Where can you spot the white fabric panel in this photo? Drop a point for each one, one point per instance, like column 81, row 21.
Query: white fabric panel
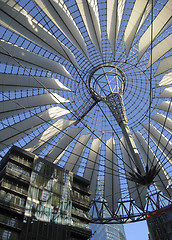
column 163, row 120
column 4, row 115
column 13, row 61
column 12, row 82
column 32, row 101
column 2, row 3
column 160, row 49
column 162, row 180
column 112, row 192
column 134, row 22
column 159, row 23
column 59, row 14
column 59, row 157
column 89, row 12
column 21, row 22
column 164, row 145
column 146, row 12
column 73, row 161
column 166, row 80
column 16, row 131
column 29, row 59
column 94, row 149
column 165, row 64
column 115, row 10
column 167, row 93
column 92, row 166
column 167, row 25
column 137, row 193
column 48, row 134
column 165, row 106
column 59, row 147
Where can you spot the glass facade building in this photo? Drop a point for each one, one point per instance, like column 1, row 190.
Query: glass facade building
column 160, row 224
column 39, row 200
column 108, row 232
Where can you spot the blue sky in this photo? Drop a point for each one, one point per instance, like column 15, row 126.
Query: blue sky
column 135, row 231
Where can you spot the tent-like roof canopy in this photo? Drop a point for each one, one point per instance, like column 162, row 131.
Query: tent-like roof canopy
column 87, row 84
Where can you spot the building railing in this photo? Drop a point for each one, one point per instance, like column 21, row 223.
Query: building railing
column 21, row 160
column 14, row 188
column 10, row 221
column 80, row 199
column 17, row 174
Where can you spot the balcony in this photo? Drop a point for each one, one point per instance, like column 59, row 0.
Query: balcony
column 81, row 189
column 11, row 222
column 20, row 160
column 80, row 200
column 80, row 215
column 13, row 207
column 13, row 188
column 17, row 175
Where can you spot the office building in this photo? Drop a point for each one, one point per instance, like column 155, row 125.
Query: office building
column 160, row 224
column 39, row 200
column 108, row 232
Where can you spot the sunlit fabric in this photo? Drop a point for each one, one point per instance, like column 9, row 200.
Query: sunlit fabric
column 87, row 84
